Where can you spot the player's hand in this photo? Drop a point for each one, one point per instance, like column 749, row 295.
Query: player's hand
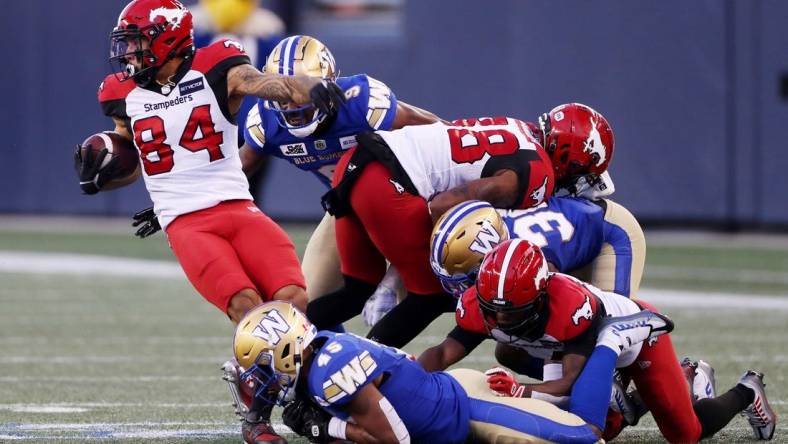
column 92, row 177
column 326, row 95
column 147, row 222
column 502, row 382
column 307, row 420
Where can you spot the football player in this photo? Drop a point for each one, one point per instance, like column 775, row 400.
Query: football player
column 178, row 106
column 517, row 300
column 349, row 388
column 599, row 242
column 313, row 140
column 389, row 190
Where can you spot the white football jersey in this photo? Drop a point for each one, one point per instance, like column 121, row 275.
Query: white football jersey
column 439, row 157
column 188, row 146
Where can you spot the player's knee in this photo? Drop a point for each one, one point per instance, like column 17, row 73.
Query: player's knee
column 242, row 302
column 294, row 295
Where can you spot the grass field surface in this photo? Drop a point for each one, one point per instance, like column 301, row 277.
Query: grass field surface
column 97, row 348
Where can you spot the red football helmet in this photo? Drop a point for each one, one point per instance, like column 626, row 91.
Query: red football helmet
column 150, row 33
column 579, row 141
column 511, row 287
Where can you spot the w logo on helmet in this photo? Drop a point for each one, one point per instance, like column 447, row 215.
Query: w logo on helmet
column 487, row 238
column 271, row 327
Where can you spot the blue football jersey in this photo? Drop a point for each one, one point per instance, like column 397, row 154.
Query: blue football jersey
column 570, row 231
column 433, row 406
column 370, row 106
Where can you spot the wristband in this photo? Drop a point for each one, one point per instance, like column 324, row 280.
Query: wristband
column 337, row 428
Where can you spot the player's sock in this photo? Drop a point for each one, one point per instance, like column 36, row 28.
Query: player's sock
column 716, row 413
column 410, row 318
column 590, row 396
column 337, row 307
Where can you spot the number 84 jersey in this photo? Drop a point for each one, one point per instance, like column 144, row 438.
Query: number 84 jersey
column 438, row 157
column 185, row 134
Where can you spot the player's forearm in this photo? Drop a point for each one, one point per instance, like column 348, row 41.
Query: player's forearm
column 358, row 435
column 558, row 387
column 245, row 80
column 488, row 189
column 431, row 359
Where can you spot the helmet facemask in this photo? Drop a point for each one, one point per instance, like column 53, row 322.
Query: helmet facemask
column 525, row 317
column 121, row 40
column 299, row 121
column 457, row 284
column 271, row 386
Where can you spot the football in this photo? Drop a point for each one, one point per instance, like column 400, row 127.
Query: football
column 118, row 147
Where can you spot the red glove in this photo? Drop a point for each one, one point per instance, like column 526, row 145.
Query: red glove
column 503, row 383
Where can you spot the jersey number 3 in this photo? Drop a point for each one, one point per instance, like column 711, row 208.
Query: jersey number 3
column 469, row 146
column 199, row 134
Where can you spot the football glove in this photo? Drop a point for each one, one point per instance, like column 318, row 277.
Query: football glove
column 147, row 222
column 327, row 96
column 92, row 177
column 307, row 420
column 502, row 383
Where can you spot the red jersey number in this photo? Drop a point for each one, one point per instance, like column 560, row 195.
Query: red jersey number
column 469, row 146
column 149, row 135
column 210, row 140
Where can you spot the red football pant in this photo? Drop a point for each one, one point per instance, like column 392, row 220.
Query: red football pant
column 231, row 247
column 658, row 377
column 386, row 223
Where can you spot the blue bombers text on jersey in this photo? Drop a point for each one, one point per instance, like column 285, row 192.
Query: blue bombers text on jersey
column 370, row 106
column 433, row 406
column 572, row 232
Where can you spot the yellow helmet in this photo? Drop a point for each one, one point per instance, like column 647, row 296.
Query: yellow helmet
column 300, row 55
column 269, row 343
column 459, row 241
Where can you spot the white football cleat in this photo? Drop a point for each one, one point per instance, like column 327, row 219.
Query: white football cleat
column 231, row 372
column 626, row 331
column 760, row 414
column 700, row 378
column 622, row 402
column 379, row 304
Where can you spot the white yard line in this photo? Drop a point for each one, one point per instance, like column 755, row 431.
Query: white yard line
column 85, row 265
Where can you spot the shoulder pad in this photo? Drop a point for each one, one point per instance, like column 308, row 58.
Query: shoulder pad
column 373, row 100
column 215, row 53
column 254, row 133
column 573, row 307
column 341, row 366
column 541, row 180
column 468, row 314
column 113, row 89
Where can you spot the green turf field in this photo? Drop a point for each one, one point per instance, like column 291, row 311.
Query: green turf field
column 98, row 356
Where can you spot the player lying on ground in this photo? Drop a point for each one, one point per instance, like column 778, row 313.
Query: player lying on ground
column 580, row 143
column 348, row 387
column 178, row 106
column 380, row 198
column 555, row 317
column 575, row 235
